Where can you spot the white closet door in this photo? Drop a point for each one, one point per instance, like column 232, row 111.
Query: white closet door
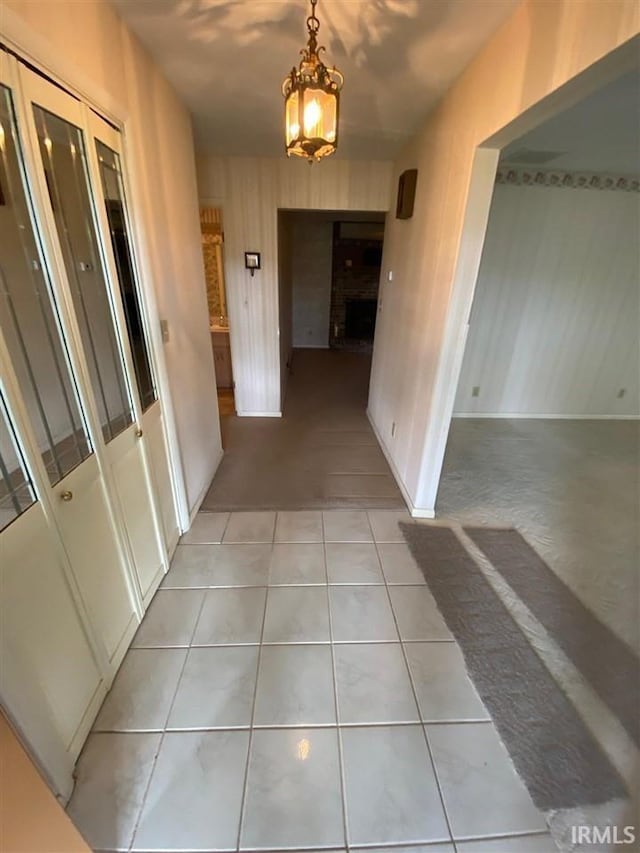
column 51, row 683
column 35, row 334
column 38, row 331
column 87, row 514
column 145, row 476
column 67, row 161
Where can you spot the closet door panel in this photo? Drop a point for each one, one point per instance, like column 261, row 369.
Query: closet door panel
column 134, row 487
column 40, row 624
column 114, row 220
column 88, row 534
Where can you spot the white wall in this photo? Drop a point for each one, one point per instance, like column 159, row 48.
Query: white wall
column 86, row 44
column 250, row 191
column 420, row 333
column 554, row 325
column 311, row 247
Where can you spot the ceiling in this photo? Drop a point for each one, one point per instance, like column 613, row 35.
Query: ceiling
column 227, row 59
column 600, row 134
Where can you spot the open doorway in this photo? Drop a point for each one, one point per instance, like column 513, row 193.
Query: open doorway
column 545, row 433
column 321, row 452
column 329, row 276
column 213, row 253
column 545, row 427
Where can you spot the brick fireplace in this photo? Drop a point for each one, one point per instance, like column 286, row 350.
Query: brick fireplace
column 357, row 255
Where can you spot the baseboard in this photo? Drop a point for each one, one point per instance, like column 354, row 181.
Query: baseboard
column 86, row 724
column 416, row 512
column 310, row 346
column 542, row 417
column 259, row 414
column 198, row 502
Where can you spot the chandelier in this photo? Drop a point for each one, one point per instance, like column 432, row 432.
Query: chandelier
column 312, row 97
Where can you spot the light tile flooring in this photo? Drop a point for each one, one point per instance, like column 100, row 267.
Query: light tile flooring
column 293, row 686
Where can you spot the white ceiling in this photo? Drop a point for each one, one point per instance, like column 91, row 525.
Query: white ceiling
column 600, row 133
column 227, row 60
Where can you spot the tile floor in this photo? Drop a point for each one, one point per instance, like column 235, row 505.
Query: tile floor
column 293, row 686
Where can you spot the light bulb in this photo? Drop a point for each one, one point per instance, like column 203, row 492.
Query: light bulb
column 1, row 138
column 294, row 130
column 312, row 115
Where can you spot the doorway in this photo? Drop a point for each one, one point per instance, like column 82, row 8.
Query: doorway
column 329, row 276
column 322, row 451
column 545, row 421
column 545, row 431
column 212, row 232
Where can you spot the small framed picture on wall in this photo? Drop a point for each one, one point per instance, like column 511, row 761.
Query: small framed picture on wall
column 252, row 261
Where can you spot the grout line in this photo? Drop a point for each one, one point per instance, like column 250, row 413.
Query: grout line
column 341, row 766
column 288, row 726
column 164, row 732
column 216, row 586
column 395, row 845
column 245, row 787
column 289, row 585
column 289, row 643
column 268, row 643
column 226, row 524
column 529, row 833
column 314, row 583
column 415, row 699
column 297, row 849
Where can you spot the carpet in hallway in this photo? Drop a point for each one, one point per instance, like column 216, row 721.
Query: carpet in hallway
column 321, row 454
column 558, row 759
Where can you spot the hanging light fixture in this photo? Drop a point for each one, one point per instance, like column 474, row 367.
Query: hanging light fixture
column 312, row 98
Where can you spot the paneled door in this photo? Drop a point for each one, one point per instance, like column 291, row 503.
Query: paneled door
column 61, row 624
column 80, row 193
column 106, row 165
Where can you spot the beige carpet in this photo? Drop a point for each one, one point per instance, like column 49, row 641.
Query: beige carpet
column 321, row 453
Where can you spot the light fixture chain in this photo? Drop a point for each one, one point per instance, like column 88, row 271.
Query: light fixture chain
column 313, row 27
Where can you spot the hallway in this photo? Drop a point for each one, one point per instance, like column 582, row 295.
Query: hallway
column 293, row 685
column 294, row 668
column 322, row 453
column 225, row 633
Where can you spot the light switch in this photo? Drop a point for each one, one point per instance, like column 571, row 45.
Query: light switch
column 390, row 275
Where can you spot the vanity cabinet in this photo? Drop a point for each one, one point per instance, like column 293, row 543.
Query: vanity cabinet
column 222, row 358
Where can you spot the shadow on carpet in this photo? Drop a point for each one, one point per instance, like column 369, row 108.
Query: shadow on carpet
column 555, row 754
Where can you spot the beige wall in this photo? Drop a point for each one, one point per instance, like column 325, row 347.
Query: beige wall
column 541, row 47
column 251, row 191
column 31, row 819
column 554, row 326
column 87, row 45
